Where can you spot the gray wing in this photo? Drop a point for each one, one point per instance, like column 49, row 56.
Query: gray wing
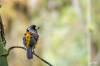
column 32, row 42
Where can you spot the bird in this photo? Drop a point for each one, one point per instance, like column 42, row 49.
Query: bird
column 30, row 39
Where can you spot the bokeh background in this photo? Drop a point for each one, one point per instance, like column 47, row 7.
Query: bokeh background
column 69, row 31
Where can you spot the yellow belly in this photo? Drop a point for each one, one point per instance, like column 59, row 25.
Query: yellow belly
column 28, row 38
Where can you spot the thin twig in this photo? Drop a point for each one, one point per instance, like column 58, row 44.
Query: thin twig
column 11, row 48
column 42, row 59
column 14, row 47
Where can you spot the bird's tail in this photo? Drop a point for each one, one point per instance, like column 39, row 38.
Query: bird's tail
column 29, row 53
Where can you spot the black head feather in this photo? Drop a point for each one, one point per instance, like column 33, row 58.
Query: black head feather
column 33, row 27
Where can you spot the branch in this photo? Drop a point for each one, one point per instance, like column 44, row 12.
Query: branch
column 11, row 48
column 14, row 47
column 42, row 59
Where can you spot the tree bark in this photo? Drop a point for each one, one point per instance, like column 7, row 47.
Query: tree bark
column 3, row 59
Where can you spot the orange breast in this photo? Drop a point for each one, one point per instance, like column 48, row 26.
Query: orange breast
column 28, row 38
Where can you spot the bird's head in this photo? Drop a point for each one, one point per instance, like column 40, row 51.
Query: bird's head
column 32, row 27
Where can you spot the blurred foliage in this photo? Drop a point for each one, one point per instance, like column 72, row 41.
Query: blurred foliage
column 96, row 32
column 63, row 30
